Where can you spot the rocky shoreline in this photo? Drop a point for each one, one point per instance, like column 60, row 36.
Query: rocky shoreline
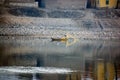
column 86, row 27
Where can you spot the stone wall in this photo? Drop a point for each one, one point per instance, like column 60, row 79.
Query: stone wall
column 66, row 4
column 21, row 1
column 55, row 4
column 34, row 4
column 27, row 3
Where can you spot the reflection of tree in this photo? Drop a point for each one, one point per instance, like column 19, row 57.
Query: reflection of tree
column 40, row 62
column 89, row 69
column 3, row 59
column 10, row 59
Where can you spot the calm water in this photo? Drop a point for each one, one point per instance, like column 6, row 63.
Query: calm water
column 43, row 59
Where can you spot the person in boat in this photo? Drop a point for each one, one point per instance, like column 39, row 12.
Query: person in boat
column 60, row 39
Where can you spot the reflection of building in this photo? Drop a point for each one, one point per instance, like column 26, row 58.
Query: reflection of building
column 105, row 70
column 74, row 76
column 100, row 70
column 92, row 69
column 64, row 4
column 83, row 57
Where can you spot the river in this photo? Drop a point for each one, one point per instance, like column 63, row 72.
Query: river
column 44, row 59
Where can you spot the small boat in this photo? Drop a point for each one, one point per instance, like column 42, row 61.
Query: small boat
column 59, row 39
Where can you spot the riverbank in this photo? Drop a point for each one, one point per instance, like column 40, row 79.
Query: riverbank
column 57, row 23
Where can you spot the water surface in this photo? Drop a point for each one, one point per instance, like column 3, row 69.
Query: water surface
column 43, row 59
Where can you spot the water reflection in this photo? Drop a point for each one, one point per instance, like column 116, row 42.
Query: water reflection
column 86, row 60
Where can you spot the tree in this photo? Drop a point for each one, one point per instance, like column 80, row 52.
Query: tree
column 6, row 2
column 118, row 1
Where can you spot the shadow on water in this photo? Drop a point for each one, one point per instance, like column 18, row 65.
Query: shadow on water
column 41, row 59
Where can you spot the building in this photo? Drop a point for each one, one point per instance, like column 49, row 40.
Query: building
column 106, row 3
column 103, row 3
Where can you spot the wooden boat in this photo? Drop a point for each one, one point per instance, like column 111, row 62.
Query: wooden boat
column 59, row 39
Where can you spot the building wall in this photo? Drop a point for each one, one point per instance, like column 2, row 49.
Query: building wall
column 113, row 4
column 102, row 3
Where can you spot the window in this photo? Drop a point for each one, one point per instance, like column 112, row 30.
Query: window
column 107, row 2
